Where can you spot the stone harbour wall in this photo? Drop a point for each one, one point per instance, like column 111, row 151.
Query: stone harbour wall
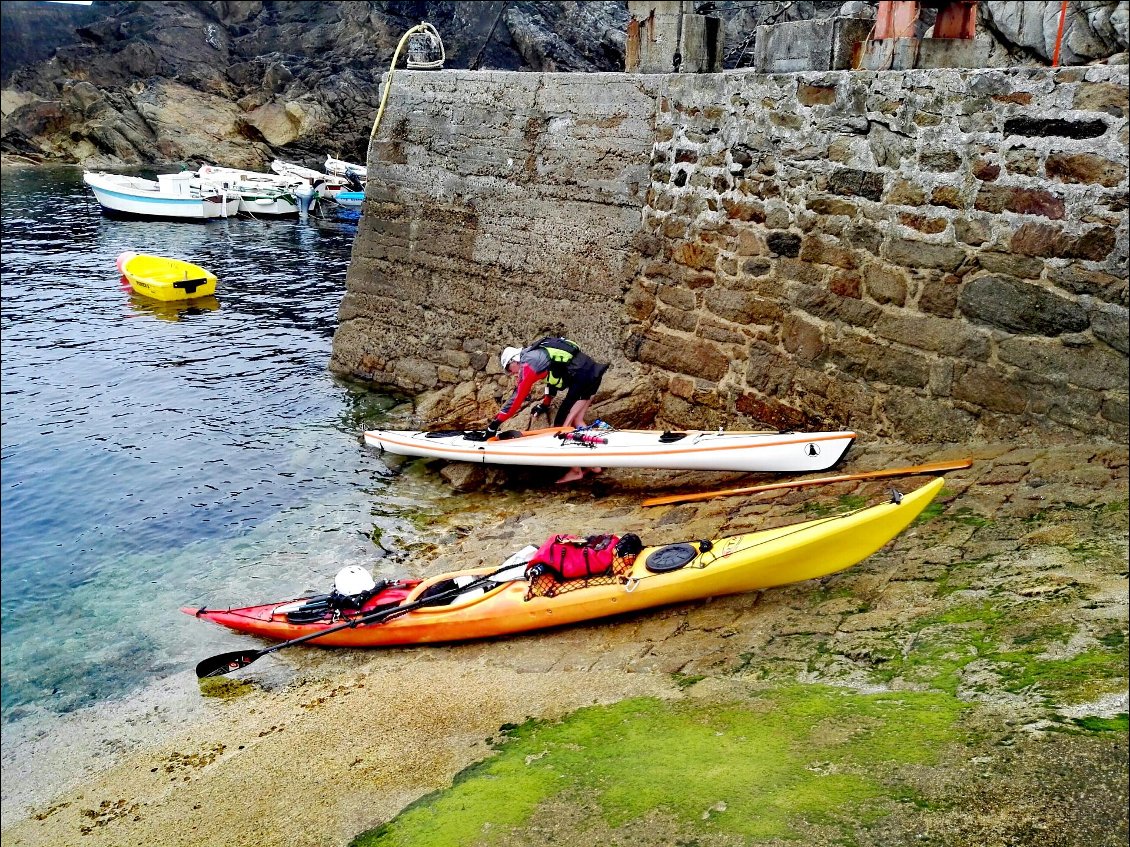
column 928, row 255
column 925, row 254
column 500, row 206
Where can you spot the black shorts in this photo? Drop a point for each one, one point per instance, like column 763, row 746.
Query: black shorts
column 583, row 387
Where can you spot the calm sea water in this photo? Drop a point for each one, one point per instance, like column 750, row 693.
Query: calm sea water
column 156, row 456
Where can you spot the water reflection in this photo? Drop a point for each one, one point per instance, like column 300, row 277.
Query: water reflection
column 172, row 310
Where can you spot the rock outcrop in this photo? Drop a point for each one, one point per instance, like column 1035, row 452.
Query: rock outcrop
column 31, row 32
column 1090, row 30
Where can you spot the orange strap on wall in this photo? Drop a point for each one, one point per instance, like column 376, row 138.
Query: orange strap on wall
column 1059, row 35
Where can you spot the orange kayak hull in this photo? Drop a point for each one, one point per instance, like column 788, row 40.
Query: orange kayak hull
column 731, row 565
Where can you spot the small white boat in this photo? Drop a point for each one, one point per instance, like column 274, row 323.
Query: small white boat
column 260, row 194
column 563, row 447
column 326, row 185
column 339, row 167
column 288, row 169
column 216, row 172
column 179, row 196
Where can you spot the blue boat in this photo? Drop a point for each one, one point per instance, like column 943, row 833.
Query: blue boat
column 350, row 199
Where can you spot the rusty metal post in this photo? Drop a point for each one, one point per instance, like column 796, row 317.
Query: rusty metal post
column 896, row 19
column 632, row 49
column 956, row 19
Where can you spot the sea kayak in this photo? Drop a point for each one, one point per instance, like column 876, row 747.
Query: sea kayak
column 658, row 576
column 563, row 447
column 160, row 278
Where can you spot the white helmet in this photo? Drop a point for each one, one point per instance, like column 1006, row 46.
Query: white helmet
column 353, row 580
column 509, row 354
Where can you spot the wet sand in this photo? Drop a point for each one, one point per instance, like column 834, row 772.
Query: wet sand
column 312, row 759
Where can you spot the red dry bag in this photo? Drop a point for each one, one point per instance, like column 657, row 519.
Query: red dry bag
column 573, row 557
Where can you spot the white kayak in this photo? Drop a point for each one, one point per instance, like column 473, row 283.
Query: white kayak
column 563, row 447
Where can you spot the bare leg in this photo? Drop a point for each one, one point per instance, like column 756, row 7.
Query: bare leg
column 576, row 416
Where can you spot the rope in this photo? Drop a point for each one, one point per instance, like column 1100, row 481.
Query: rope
column 475, row 62
column 799, row 528
column 424, row 27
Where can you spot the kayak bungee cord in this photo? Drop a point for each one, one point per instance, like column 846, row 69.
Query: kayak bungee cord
column 701, row 564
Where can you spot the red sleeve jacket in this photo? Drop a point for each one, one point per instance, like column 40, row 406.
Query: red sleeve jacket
column 527, row 377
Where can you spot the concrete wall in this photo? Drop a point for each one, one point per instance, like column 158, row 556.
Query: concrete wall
column 500, row 206
column 927, row 255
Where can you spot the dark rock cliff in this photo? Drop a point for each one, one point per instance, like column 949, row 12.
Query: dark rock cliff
column 242, row 82
column 30, row 32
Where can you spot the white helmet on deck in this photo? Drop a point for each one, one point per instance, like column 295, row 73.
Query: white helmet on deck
column 353, row 580
column 509, row 354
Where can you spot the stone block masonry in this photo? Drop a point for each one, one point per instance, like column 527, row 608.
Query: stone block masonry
column 931, row 255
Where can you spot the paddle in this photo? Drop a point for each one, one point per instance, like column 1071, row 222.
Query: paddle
column 227, row 662
column 935, row 467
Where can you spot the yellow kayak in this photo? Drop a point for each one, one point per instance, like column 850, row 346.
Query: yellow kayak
column 160, row 278
column 488, row 605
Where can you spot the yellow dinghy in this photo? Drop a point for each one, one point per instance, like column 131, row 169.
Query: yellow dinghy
column 164, row 279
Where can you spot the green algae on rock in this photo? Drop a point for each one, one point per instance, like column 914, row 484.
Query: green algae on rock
column 752, row 769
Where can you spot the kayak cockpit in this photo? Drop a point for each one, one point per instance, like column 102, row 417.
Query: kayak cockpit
column 336, row 606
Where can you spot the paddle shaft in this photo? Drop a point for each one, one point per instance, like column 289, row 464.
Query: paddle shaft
column 934, row 467
column 227, row 662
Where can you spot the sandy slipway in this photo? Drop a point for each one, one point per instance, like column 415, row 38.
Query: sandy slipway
column 1002, row 614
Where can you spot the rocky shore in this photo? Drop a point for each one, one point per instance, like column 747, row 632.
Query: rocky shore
column 1002, row 616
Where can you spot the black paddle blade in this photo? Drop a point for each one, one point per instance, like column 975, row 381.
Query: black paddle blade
column 226, row 663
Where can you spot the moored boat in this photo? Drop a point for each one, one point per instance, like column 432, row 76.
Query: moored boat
column 260, row 194
column 562, row 447
column 350, row 199
column 165, row 279
column 327, row 185
column 400, row 613
column 170, row 196
column 339, row 167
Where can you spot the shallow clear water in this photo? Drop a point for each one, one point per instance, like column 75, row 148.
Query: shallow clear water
column 154, row 455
